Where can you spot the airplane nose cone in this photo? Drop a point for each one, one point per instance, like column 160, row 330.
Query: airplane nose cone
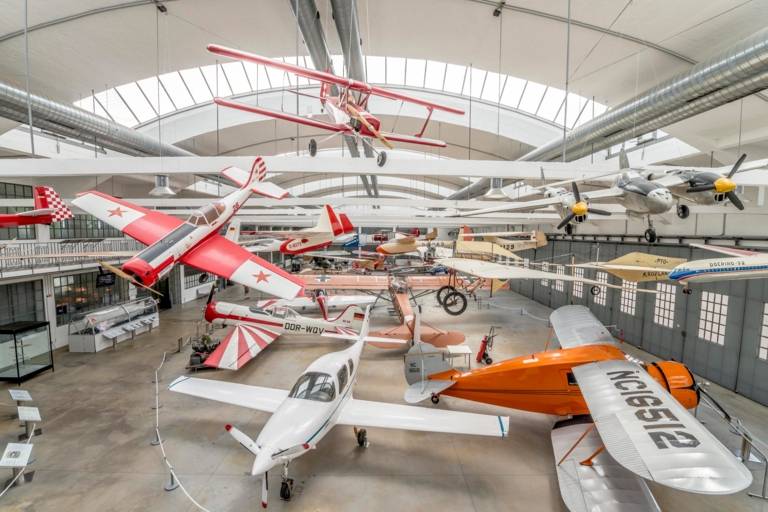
column 724, row 185
column 580, row 209
column 660, row 199
column 264, row 461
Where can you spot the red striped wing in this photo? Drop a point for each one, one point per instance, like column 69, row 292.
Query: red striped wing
column 240, row 345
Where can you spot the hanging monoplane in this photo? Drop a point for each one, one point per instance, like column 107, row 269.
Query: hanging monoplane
column 624, row 422
column 195, row 242
column 346, row 109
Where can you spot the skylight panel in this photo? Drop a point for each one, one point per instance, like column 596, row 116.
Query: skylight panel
column 193, row 77
column 374, row 70
column 532, row 97
column 237, row 78
column 338, row 65
column 574, row 106
column 475, row 79
column 85, row 104
column 454, row 78
column 138, row 104
column 156, row 95
column 551, row 104
column 257, row 75
column 277, row 77
column 212, row 77
column 117, row 109
column 586, row 114
column 414, row 72
column 176, row 89
column 435, row 75
column 513, row 89
column 296, row 61
column 600, row 109
column 395, row 70
column 493, row 83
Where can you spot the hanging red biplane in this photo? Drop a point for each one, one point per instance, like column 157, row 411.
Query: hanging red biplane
column 347, row 111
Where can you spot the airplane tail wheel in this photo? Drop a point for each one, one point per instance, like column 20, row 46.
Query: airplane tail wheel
column 286, row 488
column 312, row 147
column 595, row 290
column 442, row 292
column 650, row 235
column 488, row 360
column 435, row 399
column 455, row 303
column 381, row 159
column 362, row 438
column 569, row 229
column 683, row 211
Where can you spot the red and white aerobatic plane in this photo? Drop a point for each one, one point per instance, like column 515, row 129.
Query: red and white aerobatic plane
column 195, row 242
column 347, row 112
column 49, row 208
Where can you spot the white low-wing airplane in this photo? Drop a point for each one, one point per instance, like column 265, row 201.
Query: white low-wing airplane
column 321, row 399
column 195, row 242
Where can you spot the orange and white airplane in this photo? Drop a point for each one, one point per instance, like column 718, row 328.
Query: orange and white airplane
column 624, row 421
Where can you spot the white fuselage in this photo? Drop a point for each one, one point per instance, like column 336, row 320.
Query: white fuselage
column 281, row 320
column 302, row 422
column 310, row 303
column 721, row 269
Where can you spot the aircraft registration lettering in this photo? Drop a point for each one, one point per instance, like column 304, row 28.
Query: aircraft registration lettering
column 660, row 423
column 308, row 329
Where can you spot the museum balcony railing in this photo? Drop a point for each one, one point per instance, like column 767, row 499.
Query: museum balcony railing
column 22, row 258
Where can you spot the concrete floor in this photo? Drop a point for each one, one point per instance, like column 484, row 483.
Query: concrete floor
column 94, row 454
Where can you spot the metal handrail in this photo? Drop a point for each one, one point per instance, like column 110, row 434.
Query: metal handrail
column 16, row 256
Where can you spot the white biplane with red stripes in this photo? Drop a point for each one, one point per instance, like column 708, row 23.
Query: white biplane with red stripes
column 195, row 242
column 345, row 101
column 255, row 328
column 49, row 208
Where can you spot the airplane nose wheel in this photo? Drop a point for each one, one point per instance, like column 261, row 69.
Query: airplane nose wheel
column 286, row 488
column 312, row 147
column 381, row 158
column 362, row 437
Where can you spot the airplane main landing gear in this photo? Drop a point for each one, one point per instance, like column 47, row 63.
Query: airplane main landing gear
column 381, row 158
column 650, row 233
column 683, row 211
column 286, row 487
column 455, row 303
column 312, row 147
column 443, row 292
column 362, row 437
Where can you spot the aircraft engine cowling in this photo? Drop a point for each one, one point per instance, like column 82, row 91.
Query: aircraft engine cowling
column 677, row 379
column 141, row 271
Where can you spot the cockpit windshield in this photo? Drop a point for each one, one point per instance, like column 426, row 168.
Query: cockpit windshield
column 314, row 386
column 207, row 214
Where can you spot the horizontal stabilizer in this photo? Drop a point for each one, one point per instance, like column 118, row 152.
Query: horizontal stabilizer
column 419, row 391
column 263, row 188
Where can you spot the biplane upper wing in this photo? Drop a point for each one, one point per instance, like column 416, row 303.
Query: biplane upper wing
column 575, row 326
column 646, row 430
column 489, row 270
column 330, row 78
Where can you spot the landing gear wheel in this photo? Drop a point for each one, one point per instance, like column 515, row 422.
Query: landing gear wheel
column 488, row 360
column 362, row 438
column 381, row 159
column 569, row 229
column 687, row 291
column 435, row 399
column 312, row 147
column 595, row 290
column 683, row 211
column 650, row 235
column 443, row 292
column 455, row 303
column 286, row 488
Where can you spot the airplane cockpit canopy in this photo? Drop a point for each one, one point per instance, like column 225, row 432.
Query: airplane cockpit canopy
column 315, row 386
column 207, row 214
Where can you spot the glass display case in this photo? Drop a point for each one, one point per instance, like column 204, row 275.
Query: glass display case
column 104, row 328
column 25, row 350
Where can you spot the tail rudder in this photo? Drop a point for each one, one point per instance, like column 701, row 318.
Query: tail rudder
column 329, row 222
column 47, row 198
column 366, row 325
column 346, row 224
column 253, row 180
column 257, row 174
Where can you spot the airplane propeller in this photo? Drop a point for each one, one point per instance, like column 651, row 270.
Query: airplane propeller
column 122, row 274
column 352, row 111
column 579, row 209
column 721, row 184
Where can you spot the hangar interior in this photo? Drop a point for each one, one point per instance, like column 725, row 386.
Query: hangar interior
column 494, row 211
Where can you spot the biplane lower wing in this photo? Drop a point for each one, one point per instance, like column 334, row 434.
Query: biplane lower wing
column 276, row 114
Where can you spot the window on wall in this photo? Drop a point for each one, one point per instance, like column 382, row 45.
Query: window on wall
column 22, row 302
column 83, row 226
column 560, row 270
column 545, row 268
column 15, row 191
column 664, row 307
column 762, row 351
column 578, row 286
column 628, row 297
column 78, row 293
column 714, row 312
column 192, row 277
column 601, row 297
column 526, row 263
